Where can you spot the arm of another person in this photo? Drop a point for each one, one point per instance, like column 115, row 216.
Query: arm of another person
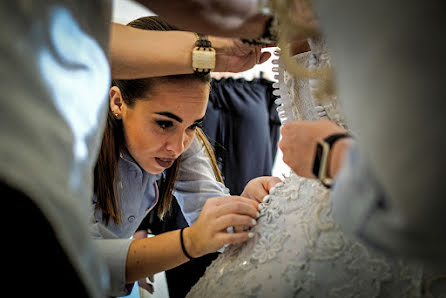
column 298, row 145
column 137, row 53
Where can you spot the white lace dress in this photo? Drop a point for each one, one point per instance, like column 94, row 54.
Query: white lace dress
column 298, row 250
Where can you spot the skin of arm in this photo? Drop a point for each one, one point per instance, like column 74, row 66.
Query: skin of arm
column 298, row 144
column 159, row 253
column 139, row 53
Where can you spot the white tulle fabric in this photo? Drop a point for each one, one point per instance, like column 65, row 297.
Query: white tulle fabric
column 298, row 250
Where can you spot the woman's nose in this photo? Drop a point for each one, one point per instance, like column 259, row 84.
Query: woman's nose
column 177, row 143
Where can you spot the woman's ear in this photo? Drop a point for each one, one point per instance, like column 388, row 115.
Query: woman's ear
column 116, row 102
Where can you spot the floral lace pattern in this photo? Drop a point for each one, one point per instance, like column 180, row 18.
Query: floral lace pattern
column 298, row 251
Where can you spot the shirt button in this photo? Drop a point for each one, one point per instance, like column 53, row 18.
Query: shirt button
column 131, row 218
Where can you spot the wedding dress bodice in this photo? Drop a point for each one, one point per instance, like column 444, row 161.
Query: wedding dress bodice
column 298, row 250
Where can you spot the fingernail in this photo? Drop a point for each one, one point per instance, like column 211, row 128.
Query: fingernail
column 251, row 234
column 254, row 221
column 258, row 214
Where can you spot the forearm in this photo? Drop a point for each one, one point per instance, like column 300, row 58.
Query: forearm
column 139, row 53
column 232, row 18
column 155, row 254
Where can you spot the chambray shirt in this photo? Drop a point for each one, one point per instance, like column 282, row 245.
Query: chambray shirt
column 139, row 194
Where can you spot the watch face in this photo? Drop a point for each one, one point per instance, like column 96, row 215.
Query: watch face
column 203, row 59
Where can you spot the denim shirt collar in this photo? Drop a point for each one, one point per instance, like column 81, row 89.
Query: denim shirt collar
column 127, row 157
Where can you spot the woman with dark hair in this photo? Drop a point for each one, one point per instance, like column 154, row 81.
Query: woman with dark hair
column 153, row 149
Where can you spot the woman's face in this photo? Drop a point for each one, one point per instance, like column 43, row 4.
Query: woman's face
column 160, row 127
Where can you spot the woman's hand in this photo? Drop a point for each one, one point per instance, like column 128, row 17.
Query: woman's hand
column 209, row 233
column 256, row 189
column 259, row 187
column 232, row 55
column 298, row 144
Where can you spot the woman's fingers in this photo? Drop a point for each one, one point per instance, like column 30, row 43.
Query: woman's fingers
column 228, row 220
column 245, row 207
column 232, row 238
column 219, row 201
column 238, row 229
column 217, row 215
column 259, row 187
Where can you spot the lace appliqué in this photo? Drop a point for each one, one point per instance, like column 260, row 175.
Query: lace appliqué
column 298, row 251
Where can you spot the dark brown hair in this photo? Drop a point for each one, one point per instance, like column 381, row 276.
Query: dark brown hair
column 113, row 141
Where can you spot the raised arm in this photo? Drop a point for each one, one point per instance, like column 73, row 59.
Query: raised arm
column 139, row 53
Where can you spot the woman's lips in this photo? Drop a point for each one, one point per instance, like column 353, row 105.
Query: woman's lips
column 165, row 162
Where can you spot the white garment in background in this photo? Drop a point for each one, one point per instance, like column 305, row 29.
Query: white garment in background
column 54, row 77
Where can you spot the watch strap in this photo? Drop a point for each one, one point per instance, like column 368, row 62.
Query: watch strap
column 203, row 55
column 320, row 164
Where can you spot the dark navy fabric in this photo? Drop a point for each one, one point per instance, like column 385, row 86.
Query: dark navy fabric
column 243, row 126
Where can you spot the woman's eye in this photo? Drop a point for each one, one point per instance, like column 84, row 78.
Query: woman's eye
column 164, row 124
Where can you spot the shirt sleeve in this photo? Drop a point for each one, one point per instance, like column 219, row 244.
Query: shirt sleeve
column 365, row 211
column 196, row 182
column 392, row 91
column 114, row 251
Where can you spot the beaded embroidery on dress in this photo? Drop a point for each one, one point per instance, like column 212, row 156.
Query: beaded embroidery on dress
column 298, row 250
